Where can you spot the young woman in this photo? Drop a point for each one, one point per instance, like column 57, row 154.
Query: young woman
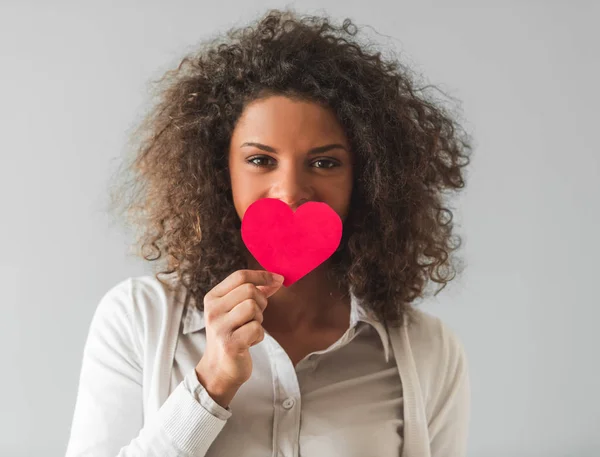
column 215, row 357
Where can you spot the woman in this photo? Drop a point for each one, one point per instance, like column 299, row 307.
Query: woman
column 216, row 358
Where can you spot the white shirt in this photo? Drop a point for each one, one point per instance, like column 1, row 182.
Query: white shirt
column 325, row 406
column 139, row 395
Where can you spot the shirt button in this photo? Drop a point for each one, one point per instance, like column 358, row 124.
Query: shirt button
column 289, row 403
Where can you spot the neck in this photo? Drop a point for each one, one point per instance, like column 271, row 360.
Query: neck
column 312, row 303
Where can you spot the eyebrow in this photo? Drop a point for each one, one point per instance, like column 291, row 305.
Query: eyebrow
column 316, row 150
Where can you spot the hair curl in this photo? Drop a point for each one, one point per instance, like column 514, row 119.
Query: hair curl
column 408, row 152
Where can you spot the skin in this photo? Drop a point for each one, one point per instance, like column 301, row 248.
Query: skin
column 311, row 309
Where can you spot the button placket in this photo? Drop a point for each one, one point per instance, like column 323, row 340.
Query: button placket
column 286, row 425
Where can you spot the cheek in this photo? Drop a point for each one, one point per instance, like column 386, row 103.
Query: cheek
column 340, row 200
column 237, row 191
column 244, row 193
column 343, row 213
column 347, row 197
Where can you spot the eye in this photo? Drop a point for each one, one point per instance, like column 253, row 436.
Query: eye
column 332, row 163
column 252, row 161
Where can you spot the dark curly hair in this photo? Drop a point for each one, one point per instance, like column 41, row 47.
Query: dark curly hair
column 409, row 151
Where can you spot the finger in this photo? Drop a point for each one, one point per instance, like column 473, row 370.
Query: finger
column 243, row 313
column 239, row 277
column 269, row 290
column 241, row 293
column 249, row 334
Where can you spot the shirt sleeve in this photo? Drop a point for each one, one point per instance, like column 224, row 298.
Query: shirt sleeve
column 108, row 414
column 192, row 385
column 449, row 422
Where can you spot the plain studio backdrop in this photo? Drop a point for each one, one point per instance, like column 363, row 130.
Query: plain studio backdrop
column 525, row 74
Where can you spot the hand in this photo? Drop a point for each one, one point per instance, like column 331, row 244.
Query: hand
column 233, row 314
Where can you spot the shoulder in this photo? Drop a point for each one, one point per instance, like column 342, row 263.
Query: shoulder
column 142, row 302
column 430, row 337
column 439, row 357
column 429, row 334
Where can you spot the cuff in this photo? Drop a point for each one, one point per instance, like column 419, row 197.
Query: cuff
column 191, row 427
column 193, row 385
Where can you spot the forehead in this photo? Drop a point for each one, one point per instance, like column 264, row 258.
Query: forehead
column 279, row 116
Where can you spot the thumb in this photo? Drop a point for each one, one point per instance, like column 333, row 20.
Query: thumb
column 270, row 289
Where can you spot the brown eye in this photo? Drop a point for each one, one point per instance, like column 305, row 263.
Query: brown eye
column 331, row 162
column 252, row 160
column 255, row 161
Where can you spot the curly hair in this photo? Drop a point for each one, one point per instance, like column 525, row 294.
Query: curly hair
column 408, row 149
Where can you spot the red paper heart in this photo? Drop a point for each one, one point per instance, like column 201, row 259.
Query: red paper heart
column 291, row 243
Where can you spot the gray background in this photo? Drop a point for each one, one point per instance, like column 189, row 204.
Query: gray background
column 74, row 81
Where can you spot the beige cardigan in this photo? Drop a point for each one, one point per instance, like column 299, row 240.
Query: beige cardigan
column 147, row 320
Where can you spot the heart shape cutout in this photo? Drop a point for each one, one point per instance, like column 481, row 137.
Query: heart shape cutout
column 291, row 243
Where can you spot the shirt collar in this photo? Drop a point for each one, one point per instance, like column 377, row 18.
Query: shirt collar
column 193, row 320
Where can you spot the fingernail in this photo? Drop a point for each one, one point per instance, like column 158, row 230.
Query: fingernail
column 277, row 277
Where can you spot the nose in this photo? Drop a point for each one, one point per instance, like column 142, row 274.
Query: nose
column 292, row 188
column 295, row 205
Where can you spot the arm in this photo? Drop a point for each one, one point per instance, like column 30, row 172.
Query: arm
column 449, row 420
column 108, row 416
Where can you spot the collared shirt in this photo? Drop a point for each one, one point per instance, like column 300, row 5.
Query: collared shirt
column 132, row 401
column 345, row 400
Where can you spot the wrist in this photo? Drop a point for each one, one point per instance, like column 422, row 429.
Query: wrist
column 220, row 391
